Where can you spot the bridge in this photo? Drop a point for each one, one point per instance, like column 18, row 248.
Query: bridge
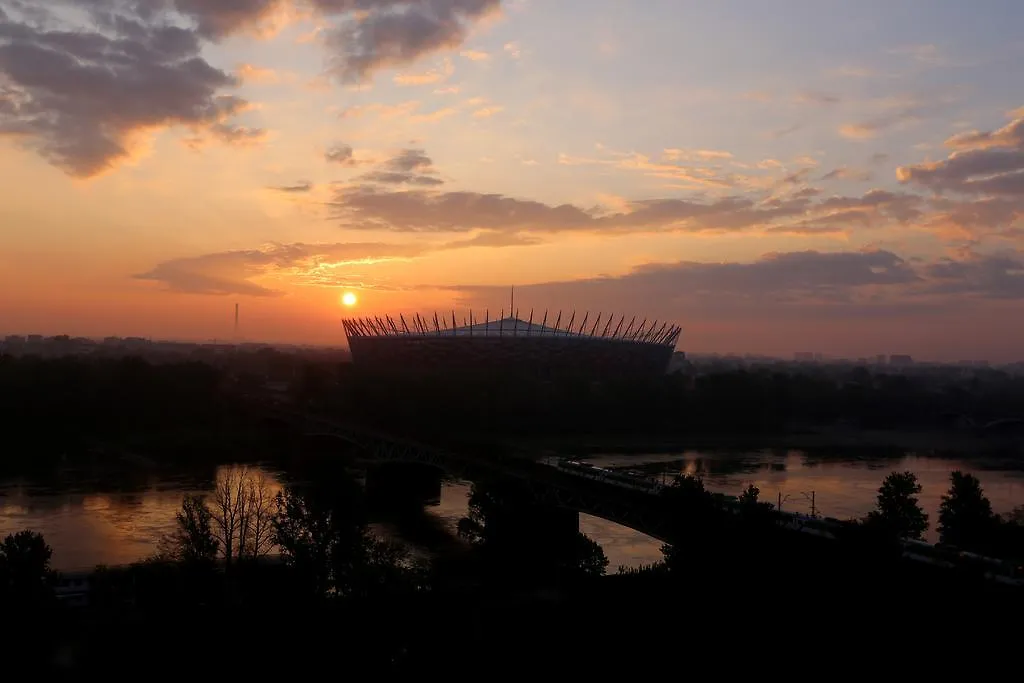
column 633, row 502
column 546, row 486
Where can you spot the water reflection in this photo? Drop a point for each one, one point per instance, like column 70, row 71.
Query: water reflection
column 844, row 483
column 108, row 517
column 100, row 517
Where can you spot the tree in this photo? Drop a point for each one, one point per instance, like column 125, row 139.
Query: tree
column 25, row 568
column 192, row 540
column 750, row 496
column 242, row 510
column 588, row 557
column 965, row 516
column 322, row 533
column 511, row 537
column 699, row 530
column 898, row 513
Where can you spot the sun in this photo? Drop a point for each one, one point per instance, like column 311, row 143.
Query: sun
column 349, row 299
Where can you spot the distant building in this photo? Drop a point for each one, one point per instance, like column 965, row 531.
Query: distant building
column 804, row 356
column 900, row 360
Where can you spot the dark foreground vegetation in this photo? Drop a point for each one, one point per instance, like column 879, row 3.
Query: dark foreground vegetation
column 254, row 584
column 338, row 600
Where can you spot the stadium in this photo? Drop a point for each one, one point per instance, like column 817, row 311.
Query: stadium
column 593, row 347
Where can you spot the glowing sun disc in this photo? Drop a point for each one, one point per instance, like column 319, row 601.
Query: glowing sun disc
column 349, row 299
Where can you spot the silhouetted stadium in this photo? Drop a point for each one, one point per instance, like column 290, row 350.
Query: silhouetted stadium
column 591, row 347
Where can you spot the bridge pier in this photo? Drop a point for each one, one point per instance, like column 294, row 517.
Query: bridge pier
column 402, row 486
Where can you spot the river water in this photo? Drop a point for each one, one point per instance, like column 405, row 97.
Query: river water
column 93, row 517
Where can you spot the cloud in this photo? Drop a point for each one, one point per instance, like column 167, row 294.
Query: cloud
column 513, row 50
column 81, row 94
column 249, row 73
column 325, row 265
column 1010, row 135
column 897, row 112
column 981, row 171
column 340, row 153
column 776, row 286
column 364, row 207
column 816, row 97
column 232, row 272
column 395, row 33
column 408, row 167
column 992, row 276
column 435, row 75
column 219, row 19
column 475, row 55
column 301, row 187
column 847, row 173
column 487, row 112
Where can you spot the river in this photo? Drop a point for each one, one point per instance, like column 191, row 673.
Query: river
column 92, row 517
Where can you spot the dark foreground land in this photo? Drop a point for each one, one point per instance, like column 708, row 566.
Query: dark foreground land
column 742, row 624
column 735, row 597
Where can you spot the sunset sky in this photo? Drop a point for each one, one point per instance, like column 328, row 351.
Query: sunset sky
column 825, row 175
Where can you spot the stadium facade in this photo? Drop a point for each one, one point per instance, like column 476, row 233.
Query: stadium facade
column 594, row 347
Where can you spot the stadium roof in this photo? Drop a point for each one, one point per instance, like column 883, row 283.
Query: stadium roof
column 505, row 326
column 587, row 327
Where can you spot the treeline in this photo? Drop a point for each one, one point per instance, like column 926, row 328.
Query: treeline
column 71, row 406
column 748, row 401
column 61, row 404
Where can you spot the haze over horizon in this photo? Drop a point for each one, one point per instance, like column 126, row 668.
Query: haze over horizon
column 774, row 177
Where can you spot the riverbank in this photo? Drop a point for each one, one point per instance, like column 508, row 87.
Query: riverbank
column 935, row 443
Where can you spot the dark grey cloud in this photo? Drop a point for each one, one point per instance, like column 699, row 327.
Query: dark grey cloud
column 847, row 173
column 340, row 153
column 77, row 93
column 791, row 284
column 300, row 187
column 418, row 210
column 986, row 171
column 985, row 163
column 993, row 276
column 391, row 33
column 408, row 167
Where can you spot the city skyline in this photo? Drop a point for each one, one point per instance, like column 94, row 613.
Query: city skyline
column 844, row 178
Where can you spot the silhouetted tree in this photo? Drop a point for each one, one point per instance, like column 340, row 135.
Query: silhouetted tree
column 750, row 495
column 319, row 535
column 510, row 537
column 698, row 526
column 25, row 569
column 898, row 512
column 589, row 557
column 192, row 540
column 1011, row 535
column 242, row 509
column 965, row 515
column 322, row 532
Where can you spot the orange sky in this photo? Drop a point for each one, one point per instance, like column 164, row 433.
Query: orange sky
column 833, row 178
